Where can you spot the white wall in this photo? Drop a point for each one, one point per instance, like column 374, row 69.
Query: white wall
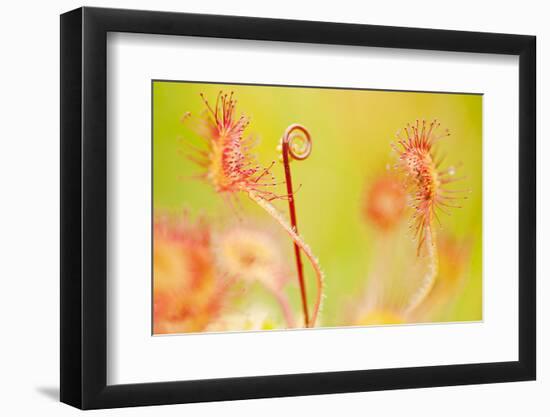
column 29, row 237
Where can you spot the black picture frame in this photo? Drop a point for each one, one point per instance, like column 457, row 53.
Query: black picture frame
column 84, row 207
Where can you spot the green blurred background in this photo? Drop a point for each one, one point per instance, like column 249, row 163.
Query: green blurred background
column 351, row 131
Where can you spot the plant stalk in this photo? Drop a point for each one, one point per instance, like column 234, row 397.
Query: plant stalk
column 430, row 277
column 273, row 212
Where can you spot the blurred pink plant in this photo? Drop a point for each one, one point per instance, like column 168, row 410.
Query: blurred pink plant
column 187, row 293
column 197, row 271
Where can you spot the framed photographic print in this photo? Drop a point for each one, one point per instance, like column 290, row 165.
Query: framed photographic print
column 257, row 208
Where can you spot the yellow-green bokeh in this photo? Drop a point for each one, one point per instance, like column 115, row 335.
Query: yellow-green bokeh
column 352, row 131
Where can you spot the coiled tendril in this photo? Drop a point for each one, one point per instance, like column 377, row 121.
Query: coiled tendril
column 296, row 144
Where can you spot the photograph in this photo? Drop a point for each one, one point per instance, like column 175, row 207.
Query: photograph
column 295, row 207
column 275, row 209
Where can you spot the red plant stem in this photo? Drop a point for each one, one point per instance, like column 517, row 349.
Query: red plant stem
column 294, row 224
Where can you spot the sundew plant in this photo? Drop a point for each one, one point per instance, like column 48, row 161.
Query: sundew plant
column 291, row 208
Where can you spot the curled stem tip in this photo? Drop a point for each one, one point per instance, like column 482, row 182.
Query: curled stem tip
column 296, row 144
